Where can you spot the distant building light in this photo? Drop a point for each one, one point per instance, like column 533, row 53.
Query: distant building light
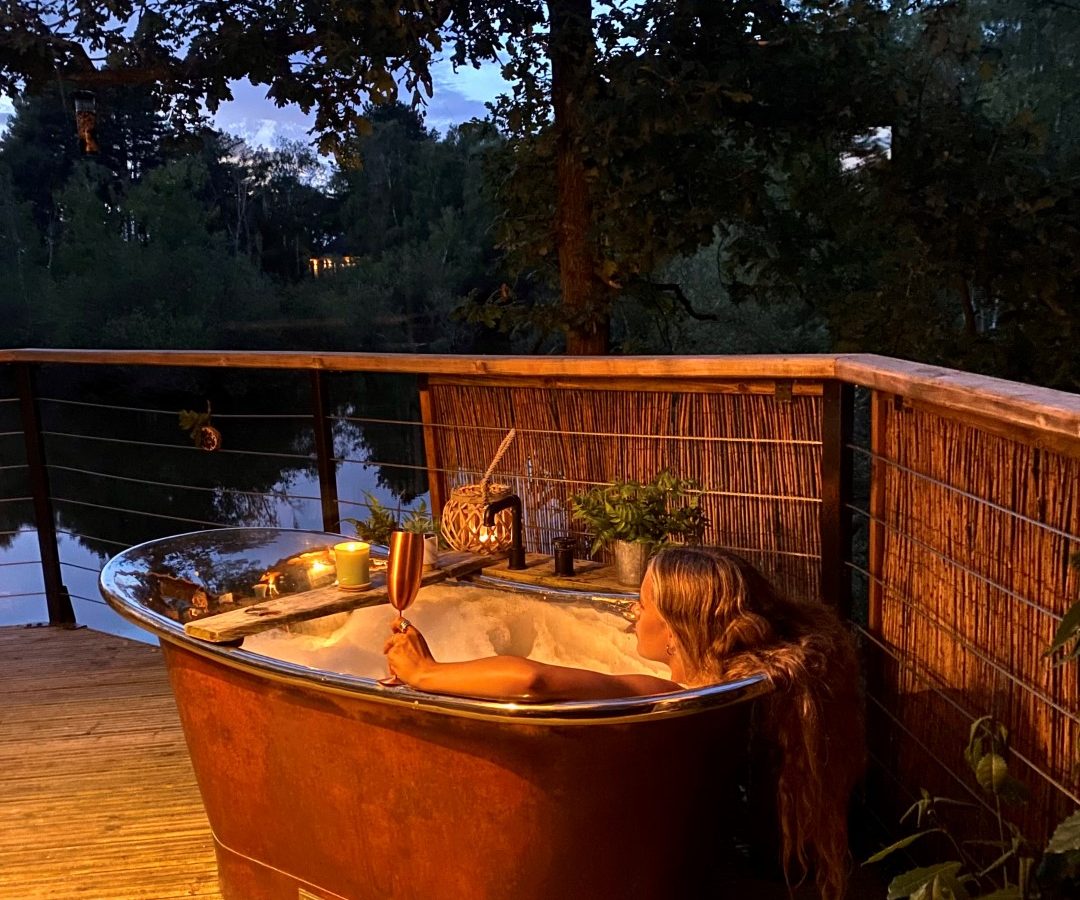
column 328, row 265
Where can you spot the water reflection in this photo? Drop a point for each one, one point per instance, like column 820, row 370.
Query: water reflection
column 204, row 573
column 121, row 477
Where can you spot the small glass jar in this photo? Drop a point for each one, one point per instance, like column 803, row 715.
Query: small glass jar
column 564, row 555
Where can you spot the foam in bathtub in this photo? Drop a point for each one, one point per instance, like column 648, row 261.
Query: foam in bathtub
column 465, row 623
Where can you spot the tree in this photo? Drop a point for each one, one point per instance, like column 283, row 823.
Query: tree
column 416, row 224
column 689, row 118
column 958, row 247
column 576, row 75
column 20, row 263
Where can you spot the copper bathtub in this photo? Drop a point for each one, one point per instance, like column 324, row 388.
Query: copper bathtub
column 322, row 785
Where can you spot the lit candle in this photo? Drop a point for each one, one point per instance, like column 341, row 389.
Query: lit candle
column 353, row 560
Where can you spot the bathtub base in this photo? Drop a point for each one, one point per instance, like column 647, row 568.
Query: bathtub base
column 347, row 798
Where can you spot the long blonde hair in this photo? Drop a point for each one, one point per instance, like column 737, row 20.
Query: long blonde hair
column 729, row 623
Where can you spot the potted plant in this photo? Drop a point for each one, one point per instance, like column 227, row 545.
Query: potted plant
column 378, row 526
column 381, row 523
column 420, row 521
column 637, row 518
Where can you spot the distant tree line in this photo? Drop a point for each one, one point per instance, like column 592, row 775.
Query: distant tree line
column 199, row 240
column 663, row 176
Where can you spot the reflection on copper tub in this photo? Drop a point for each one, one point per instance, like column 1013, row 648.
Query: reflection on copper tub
column 323, row 785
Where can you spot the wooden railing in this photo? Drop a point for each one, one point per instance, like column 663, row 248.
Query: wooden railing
column 935, row 508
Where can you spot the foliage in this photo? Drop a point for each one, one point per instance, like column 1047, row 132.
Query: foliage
column 420, row 520
column 1012, row 874
column 313, row 53
column 951, row 240
column 595, row 197
column 957, row 244
column 643, row 512
column 715, row 114
column 1068, row 630
column 649, row 322
column 381, row 522
column 207, row 243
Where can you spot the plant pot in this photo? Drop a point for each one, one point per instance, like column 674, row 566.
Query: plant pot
column 431, row 551
column 631, row 558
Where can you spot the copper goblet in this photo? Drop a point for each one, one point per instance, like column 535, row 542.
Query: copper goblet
column 404, row 571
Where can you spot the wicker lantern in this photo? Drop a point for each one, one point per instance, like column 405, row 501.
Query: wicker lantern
column 463, row 515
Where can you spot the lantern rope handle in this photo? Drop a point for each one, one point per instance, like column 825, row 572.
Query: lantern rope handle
column 503, row 447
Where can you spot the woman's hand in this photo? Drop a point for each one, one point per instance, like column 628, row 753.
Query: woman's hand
column 407, row 653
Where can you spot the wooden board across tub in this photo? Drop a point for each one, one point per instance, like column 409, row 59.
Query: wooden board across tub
column 540, row 570
column 229, row 627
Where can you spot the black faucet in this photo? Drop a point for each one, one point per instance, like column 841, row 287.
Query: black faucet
column 513, row 503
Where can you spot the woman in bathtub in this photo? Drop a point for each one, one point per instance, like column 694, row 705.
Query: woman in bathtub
column 712, row 617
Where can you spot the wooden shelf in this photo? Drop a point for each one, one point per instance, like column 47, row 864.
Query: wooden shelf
column 540, row 570
column 229, row 627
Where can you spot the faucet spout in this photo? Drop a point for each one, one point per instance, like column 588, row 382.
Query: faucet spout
column 517, row 548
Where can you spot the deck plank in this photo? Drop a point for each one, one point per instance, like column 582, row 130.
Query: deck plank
column 99, row 801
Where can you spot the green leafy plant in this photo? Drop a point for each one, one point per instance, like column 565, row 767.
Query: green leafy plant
column 378, row 526
column 381, row 522
column 1068, row 630
column 420, row 520
column 649, row 512
column 1012, row 874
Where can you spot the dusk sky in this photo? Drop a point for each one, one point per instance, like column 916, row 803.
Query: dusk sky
column 458, row 97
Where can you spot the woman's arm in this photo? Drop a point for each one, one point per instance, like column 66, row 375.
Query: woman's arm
column 509, row 677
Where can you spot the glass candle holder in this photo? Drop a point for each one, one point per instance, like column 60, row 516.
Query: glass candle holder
column 564, row 555
column 353, row 562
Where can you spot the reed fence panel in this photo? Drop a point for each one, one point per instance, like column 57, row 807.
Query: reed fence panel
column 971, row 535
column 757, row 456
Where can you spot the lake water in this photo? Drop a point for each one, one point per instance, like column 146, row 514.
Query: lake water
column 121, row 473
column 20, row 571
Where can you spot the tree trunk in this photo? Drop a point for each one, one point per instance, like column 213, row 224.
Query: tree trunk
column 571, row 49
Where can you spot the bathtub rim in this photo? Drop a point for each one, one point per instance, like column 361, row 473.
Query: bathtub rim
column 688, row 701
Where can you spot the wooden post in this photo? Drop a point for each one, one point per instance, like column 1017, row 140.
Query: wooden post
column 837, row 414
column 56, row 595
column 879, row 472
column 436, row 479
column 324, row 453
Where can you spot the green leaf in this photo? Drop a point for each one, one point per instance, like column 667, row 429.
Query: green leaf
column 900, row 845
column 1066, row 836
column 991, row 772
column 909, row 882
column 1067, row 630
column 1013, row 790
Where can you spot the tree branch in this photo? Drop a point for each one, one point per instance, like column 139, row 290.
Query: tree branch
column 677, row 292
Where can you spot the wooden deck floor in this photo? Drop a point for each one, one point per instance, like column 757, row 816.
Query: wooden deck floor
column 97, row 797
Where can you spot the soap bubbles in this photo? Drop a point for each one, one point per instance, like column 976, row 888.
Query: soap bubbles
column 465, row 623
